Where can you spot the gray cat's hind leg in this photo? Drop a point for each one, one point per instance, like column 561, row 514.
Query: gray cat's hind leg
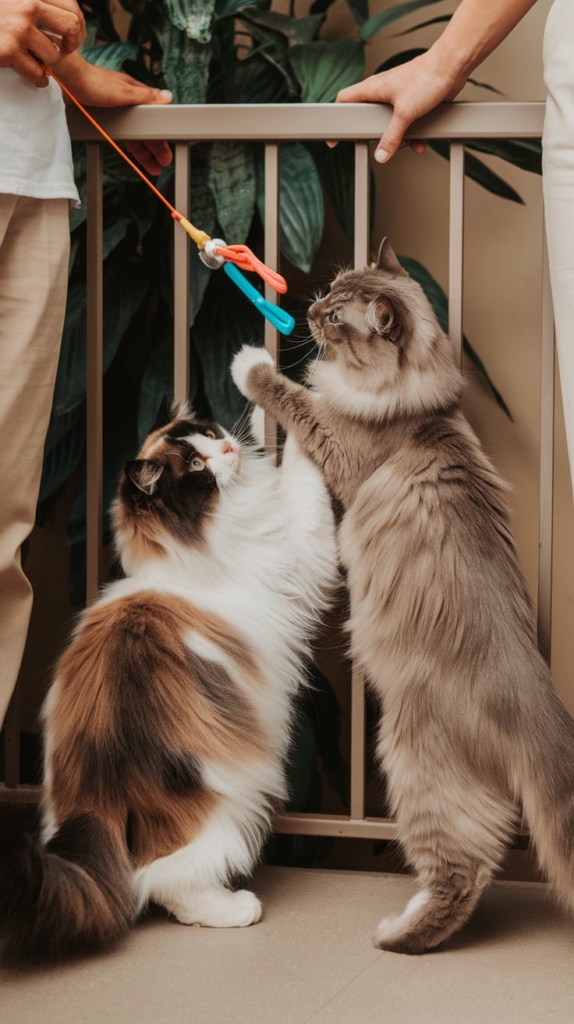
column 453, row 827
column 435, row 913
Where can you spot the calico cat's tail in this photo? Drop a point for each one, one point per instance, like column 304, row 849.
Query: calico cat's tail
column 69, row 896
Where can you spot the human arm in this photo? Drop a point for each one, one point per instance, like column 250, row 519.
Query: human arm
column 417, row 87
column 23, row 43
column 95, row 86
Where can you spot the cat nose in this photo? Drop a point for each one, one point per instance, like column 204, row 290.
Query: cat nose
column 227, row 447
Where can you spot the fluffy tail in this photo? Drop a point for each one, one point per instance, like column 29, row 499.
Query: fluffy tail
column 546, row 789
column 69, row 896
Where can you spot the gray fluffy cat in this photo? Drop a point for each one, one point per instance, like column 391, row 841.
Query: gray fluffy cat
column 473, row 732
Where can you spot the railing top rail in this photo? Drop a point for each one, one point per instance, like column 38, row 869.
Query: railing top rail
column 306, row 121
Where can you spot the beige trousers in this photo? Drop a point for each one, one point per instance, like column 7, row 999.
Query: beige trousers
column 34, row 250
column 558, row 182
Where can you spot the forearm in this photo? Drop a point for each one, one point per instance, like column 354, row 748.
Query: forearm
column 475, row 30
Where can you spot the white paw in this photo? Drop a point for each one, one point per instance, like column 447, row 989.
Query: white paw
column 248, row 357
column 387, row 931
column 245, row 909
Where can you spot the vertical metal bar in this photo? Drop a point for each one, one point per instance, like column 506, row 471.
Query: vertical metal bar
column 12, row 741
column 357, row 801
column 456, row 247
column 361, row 258
column 271, row 258
column 181, row 286
column 95, row 336
column 547, row 393
column 361, row 233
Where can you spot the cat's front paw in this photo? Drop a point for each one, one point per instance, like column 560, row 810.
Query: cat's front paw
column 246, row 359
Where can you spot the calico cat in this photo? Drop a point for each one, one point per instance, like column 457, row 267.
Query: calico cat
column 168, row 721
column 473, row 733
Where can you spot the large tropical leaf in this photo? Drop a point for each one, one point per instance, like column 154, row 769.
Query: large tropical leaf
column 439, row 302
column 251, row 80
column 300, row 203
column 523, row 153
column 231, row 181
column 479, row 172
column 125, row 285
column 185, row 65
column 64, row 456
column 110, row 55
column 392, row 14
column 194, row 17
column 225, row 322
column 322, row 69
column 295, row 30
column 230, row 8
column 426, row 24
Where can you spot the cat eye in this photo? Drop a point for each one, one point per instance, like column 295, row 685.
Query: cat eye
column 209, row 433
column 334, row 318
column 197, row 463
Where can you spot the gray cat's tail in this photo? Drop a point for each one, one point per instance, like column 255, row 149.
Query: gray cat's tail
column 72, row 895
column 546, row 789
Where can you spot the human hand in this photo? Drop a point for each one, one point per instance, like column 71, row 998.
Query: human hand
column 23, row 44
column 99, row 87
column 413, row 89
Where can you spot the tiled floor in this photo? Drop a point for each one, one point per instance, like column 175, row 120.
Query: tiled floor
column 311, row 959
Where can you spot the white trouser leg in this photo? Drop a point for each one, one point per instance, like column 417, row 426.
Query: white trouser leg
column 34, row 247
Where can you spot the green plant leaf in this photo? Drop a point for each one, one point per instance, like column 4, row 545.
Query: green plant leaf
column 125, row 285
column 322, row 69
column 185, row 65
column 479, row 172
column 110, row 55
column 230, row 8
column 231, row 181
column 300, row 203
column 523, row 153
column 439, row 302
column 225, row 322
column 295, row 30
column 392, row 14
column 251, row 80
column 64, row 454
column 194, row 17
column 401, row 58
column 425, row 24
column 336, row 169
column 360, row 10
column 485, row 85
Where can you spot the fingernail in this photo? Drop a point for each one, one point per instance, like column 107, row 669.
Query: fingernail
column 381, row 155
column 166, row 94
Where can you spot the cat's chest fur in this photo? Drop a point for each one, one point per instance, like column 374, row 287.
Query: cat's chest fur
column 355, row 450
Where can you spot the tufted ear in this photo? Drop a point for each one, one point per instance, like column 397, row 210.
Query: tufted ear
column 387, row 261
column 144, row 473
column 382, row 318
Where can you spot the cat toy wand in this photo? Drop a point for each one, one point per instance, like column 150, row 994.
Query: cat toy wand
column 214, row 252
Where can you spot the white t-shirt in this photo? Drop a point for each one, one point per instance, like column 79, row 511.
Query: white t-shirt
column 35, row 148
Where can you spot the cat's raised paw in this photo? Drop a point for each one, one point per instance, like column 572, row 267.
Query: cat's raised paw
column 248, row 357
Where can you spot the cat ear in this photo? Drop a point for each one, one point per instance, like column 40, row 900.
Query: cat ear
column 381, row 318
column 387, row 261
column 144, row 473
column 181, row 411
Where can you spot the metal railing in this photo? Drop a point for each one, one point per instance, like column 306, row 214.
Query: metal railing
column 271, row 124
